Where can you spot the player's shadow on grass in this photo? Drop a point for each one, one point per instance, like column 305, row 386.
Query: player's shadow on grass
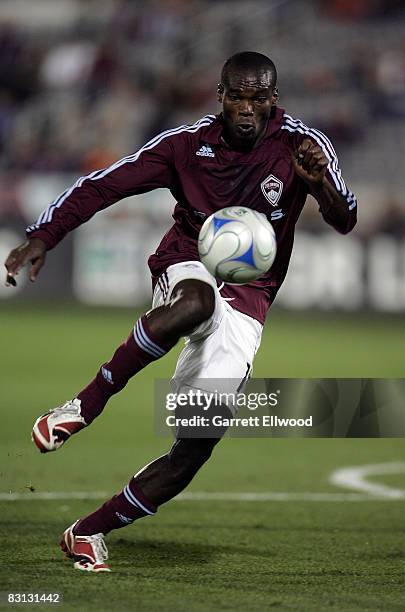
column 316, row 528
column 162, row 553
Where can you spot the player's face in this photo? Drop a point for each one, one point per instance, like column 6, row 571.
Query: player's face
column 247, row 99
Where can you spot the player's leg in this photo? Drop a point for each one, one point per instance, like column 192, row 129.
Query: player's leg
column 231, row 345
column 155, row 484
column 190, row 304
column 155, row 333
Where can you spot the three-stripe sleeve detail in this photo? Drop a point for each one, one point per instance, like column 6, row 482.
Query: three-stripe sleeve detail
column 46, row 215
column 295, row 125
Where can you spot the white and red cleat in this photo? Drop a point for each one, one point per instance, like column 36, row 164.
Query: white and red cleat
column 89, row 552
column 53, row 428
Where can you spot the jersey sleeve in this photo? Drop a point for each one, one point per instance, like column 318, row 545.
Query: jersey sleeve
column 333, row 172
column 346, row 220
column 149, row 168
column 335, row 178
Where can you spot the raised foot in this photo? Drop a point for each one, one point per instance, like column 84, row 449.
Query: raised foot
column 52, row 429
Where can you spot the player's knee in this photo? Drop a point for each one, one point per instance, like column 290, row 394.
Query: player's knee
column 197, row 301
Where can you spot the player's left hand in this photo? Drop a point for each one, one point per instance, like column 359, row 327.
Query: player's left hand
column 310, row 162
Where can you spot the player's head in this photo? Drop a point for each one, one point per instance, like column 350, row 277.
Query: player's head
column 247, row 92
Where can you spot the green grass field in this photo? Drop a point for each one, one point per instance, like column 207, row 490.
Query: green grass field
column 198, row 555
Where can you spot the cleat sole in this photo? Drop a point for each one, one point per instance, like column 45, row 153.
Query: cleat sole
column 89, row 568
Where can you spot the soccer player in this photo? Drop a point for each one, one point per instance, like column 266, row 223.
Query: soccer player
column 251, row 154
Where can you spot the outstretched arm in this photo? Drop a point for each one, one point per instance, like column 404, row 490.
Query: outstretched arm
column 338, row 208
column 150, row 168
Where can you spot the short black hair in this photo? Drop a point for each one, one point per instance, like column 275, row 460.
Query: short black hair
column 248, row 60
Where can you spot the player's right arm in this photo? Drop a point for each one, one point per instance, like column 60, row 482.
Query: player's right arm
column 150, row 168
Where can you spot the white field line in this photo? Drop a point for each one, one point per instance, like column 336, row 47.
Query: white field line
column 355, row 478
column 351, row 477
column 203, row 496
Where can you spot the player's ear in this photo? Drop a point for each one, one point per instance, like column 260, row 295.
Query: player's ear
column 274, row 97
column 220, row 92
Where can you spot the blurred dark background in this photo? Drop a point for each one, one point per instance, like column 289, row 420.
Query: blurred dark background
column 83, row 83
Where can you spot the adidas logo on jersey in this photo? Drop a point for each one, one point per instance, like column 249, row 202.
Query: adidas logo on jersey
column 205, row 151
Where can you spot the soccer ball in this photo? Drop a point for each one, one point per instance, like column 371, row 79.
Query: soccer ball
column 237, row 244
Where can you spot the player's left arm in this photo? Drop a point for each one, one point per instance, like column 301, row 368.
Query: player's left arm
column 318, row 166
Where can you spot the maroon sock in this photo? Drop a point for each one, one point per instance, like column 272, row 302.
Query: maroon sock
column 119, row 511
column 135, row 353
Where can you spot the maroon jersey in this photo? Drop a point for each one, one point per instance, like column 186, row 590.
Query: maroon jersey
column 205, row 175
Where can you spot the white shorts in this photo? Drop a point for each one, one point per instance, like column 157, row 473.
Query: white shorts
column 223, row 347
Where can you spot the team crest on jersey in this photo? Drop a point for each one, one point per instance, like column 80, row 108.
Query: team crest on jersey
column 272, row 189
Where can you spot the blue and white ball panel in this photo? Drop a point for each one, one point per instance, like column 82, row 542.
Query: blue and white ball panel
column 237, row 244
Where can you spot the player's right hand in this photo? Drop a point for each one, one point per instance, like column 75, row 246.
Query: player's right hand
column 33, row 251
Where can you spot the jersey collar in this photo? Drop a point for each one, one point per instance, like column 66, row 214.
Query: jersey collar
column 213, row 135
